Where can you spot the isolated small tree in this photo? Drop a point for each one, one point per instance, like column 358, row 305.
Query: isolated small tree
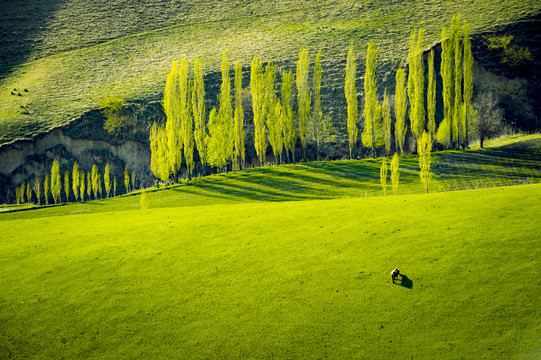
column 126, row 179
column 67, row 185
column 107, row 180
column 82, row 185
column 55, row 182
column 37, row 188
column 395, row 173
column 351, row 97
column 46, row 189
column 143, row 202
column 489, row 117
column 400, row 107
column 112, row 111
column 75, row 178
column 383, row 175
column 424, row 147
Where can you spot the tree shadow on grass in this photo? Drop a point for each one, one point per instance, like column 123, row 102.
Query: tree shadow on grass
column 405, row 282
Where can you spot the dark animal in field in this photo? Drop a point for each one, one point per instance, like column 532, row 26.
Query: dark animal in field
column 394, row 274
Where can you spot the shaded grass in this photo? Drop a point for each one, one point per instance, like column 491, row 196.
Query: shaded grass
column 130, row 59
column 303, row 279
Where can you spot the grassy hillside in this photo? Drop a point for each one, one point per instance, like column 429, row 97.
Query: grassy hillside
column 82, row 53
column 281, row 280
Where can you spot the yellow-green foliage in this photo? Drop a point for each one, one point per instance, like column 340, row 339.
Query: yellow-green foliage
column 431, row 96
column 67, row 184
column 351, row 96
column 46, row 189
column 383, row 175
column 107, row 180
column 288, row 120
column 186, row 118
column 172, row 108
column 82, row 185
column 258, row 108
column 303, row 94
column 37, row 188
column 395, row 172
column 386, row 113
column 238, row 119
column 55, row 182
column 456, row 41
column 318, row 112
column 143, row 202
column 400, row 107
column 126, row 179
column 424, row 148
column 95, row 181
column 198, row 99
column 447, row 58
column 111, row 108
column 373, row 133
column 75, row 178
column 273, row 110
column 468, row 84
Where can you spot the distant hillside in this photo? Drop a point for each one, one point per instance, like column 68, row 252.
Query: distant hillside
column 68, row 55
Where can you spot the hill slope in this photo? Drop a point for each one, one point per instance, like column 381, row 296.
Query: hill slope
column 279, row 280
column 131, row 47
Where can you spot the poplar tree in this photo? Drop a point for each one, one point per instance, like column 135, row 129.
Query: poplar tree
column 95, row 179
column 126, row 179
column 198, row 106
column 67, row 185
column 37, row 187
column 411, row 76
column 455, row 35
column 424, row 147
column 100, row 192
column 431, row 96
column 55, row 182
column 318, row 113
column 383, row 175
column 400, row 107
column 75, row 177
column 386, row 112
column 258, row 108
column 447, row 58
column 18, row 195
column 133, row 180
column 107, row 179
column 238, row 119
column 273, row 112
column 82, row 185
column 351, row 97
column 172, row 108
column 372, row 135
column 114, row 186
column 395, row 173
column 468, row 82
column 303, row 96
column 46, row 189
column 417, row 113
column 158, row 152
column 88, row 186
column 288, row 120
column 215, row 141
column 186, row 119
column 28, row 193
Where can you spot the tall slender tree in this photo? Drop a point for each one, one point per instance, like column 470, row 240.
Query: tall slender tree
column 400, row 107
column 198, row 99
column 67, row 185
column 258, row 108
column 75, row 180
column 95, row 181
column 126, row 179
column 107, row 179
column 216, row 140
column 318, row 113
column 274, row 113
column 395, row 173
column 186, row 119
column 55, row 182
column 468, row 83
column 288, row 120
column 351, row 97
column 383, row 175
column 28, row 193
column 37, row 187
column 457, row 51
column 387, row 125
column 172, row 108
column 88, row 185
column 114, row 185
column 424, row 147
column 411, row 76
column 447, row 58
column 238, row 119
column 431, row 96
column 417, row 118
column 82, row 185
column 372, row 135
column 46, row 188
column 303, row 96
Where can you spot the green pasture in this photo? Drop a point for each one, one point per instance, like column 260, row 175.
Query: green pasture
column 84, row 53
column 227, row 267
column 306, row 279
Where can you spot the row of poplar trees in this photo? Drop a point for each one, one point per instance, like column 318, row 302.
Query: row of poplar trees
column 221, row 141
column 456, row 73
column 76, row 189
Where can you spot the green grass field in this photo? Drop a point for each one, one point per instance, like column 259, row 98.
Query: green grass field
column 224, row 267
column 84, row 53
